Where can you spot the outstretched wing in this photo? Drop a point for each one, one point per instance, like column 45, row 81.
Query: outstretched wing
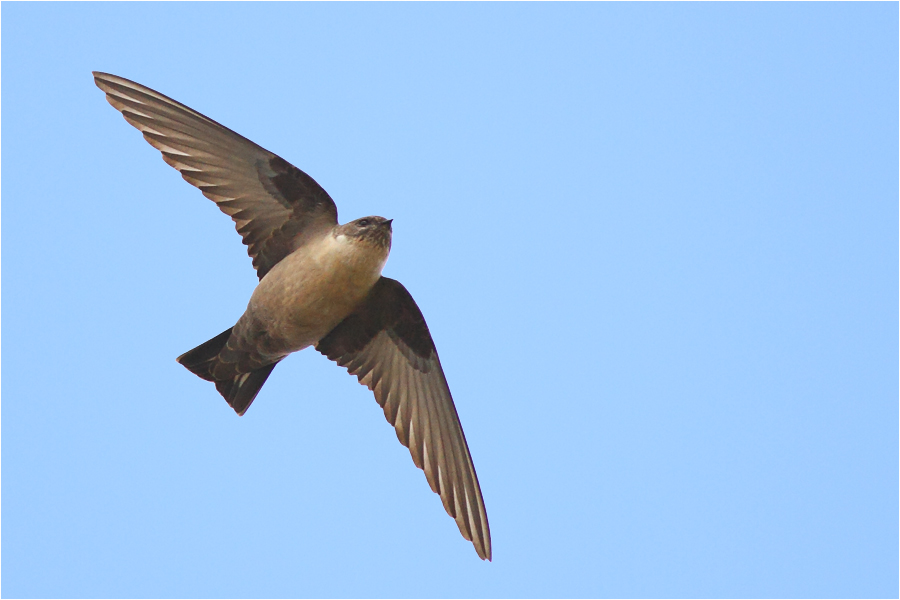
column 274, row 205
column 386, row 344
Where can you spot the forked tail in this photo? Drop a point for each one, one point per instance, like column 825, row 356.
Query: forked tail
column 239, row 386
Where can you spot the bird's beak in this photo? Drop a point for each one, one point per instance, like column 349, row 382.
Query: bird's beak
column 388, row 223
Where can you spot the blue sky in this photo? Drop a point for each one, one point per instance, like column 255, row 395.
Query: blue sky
column 656, row 245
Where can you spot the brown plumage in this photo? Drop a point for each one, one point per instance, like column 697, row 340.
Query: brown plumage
column 320, row 285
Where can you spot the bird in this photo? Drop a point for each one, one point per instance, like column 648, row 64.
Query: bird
column 320, row 285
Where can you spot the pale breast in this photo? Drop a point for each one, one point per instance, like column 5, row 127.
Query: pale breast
column 313, row 289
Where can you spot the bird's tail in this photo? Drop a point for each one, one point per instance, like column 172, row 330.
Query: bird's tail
column 239, row 386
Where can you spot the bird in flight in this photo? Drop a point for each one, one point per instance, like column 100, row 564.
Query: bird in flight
column 320, row 284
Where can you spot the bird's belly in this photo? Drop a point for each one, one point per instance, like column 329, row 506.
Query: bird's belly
column 308, row 293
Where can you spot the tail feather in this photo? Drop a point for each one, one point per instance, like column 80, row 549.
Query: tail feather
column 203, row 358
column 238, row 388
column 242, row 389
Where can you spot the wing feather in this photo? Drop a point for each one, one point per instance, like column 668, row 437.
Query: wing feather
column 386, row 344
column 275, row 205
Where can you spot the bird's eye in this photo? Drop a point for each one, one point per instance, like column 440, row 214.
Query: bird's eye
column 363, row 223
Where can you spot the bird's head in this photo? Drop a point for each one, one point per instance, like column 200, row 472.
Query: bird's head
column 369, row 230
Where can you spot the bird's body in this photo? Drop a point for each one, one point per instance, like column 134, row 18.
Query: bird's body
column 320, row 285
column 314, row 288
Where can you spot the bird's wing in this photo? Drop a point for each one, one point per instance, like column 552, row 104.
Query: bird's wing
column 274, row 204
column 386, row 344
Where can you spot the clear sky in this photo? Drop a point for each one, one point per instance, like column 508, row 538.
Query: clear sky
column 656, row 245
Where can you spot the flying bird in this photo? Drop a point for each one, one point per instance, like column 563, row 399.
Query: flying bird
column 320, row 285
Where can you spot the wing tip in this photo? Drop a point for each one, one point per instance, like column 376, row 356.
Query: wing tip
column 482, row 542
column 484, row 552
column 100, row 76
